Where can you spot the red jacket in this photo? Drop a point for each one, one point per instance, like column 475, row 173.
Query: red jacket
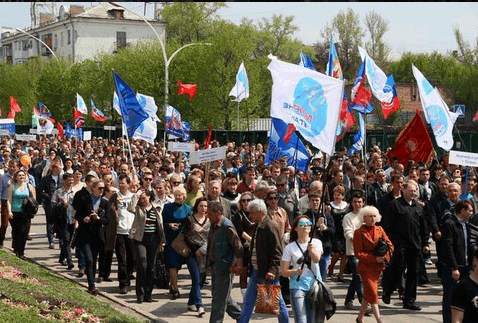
column 364, row 248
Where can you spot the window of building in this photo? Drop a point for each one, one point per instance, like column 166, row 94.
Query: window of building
column 413, row 93
column 120, row 39
column 68, row 37
column 61, row 39
column 55, row 43
column 47, row 39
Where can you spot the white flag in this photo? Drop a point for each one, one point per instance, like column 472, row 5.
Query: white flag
column 308, row 99
column 241, row 89
column 147, row 130
column 116, row 105
column 148, row 104
column 436, row 111
column 376, row 78
column 80, row 104
column 45, row 126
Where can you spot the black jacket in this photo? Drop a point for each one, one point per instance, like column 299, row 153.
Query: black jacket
column 45, row 191
column 454, row 254
column 326, row 236
column 436, row 211
column 95, row 229
column 406, row 225
column 269, row 247
column 375, row 194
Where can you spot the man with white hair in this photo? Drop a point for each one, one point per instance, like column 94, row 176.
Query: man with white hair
column 406, row 227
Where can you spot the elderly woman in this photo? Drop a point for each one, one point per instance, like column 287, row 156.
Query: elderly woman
column 147, row 234
column 370, row 266
column 174, row 217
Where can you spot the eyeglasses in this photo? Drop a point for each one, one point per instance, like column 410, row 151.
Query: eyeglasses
column 305, row 223
column 246, row 200
column 148, row 179
column 273, row 198
column 101, row 188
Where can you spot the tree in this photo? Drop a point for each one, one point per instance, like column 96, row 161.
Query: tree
column 347, row 33
column 376, row 48
column 465, row 53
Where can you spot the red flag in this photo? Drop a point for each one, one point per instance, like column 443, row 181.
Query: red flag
column 11, row 114
column 474, row 119
column 14, row 105
column 190, row 89
column 208, row 139
column 60, row 129
column 0, row 111
column 35, row 111
column 346, row 119
column 289, row 132
column 413, row 142
column 79, row 119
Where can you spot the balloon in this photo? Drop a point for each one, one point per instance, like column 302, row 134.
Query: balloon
column 25, row 160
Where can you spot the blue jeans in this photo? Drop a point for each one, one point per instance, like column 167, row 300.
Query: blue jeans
column 324, row 265
column 251, row 296
column 195, row 297
column 356, row 283
column 303, row 312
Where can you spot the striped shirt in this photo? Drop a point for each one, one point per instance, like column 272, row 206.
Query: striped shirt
column 151, row 225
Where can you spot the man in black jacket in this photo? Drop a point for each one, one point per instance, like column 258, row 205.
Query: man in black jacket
column 455, row 252
column 48, row 185
column 406, row 227
column 266, row 254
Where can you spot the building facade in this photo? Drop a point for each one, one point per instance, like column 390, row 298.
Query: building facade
column 78, row 34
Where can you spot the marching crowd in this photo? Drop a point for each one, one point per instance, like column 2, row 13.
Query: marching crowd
column 372, row 218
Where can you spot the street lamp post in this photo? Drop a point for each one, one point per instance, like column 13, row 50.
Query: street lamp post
column 166, row 60
column 23, row 31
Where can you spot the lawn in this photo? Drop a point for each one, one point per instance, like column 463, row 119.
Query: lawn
column 30, row 293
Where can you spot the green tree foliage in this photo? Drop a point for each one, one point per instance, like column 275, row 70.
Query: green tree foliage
column 376, row 47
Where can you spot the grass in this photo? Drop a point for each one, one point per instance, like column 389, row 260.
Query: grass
column 30, row 293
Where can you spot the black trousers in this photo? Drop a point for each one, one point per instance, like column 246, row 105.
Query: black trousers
column 146, row 251
column 65, row 232
column 124, row 249
column 403, row 258
column 91, row 250
column 19, row 225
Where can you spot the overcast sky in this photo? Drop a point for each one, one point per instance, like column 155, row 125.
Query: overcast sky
column 416, row 27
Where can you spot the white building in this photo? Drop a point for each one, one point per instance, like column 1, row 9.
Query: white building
column 79, row 34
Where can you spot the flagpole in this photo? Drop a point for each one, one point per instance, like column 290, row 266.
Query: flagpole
column 130, row 154
column 365, row 154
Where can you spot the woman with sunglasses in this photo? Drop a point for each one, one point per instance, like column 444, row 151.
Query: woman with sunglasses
column 278, row 214
column 245, row 230
column 229, row 188
column 300, row 261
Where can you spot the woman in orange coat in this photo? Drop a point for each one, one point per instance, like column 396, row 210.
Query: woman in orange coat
column 370, row 266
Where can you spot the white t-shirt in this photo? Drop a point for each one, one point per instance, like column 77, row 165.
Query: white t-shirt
column 124, row 216
column 292, row 253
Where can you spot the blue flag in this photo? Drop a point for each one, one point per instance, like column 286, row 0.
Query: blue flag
column 174, row 125
column 305, row 61
column 186, row 131
column 132, row 112
column 70, row 132
column 360, row 95
column 359, row 137
column 44, row 111
column 333, row 65
column 278, row 147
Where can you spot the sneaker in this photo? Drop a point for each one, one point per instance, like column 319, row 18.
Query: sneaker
column 192, row 308
column 201, row 311
column 429, row 262
column 52, row 246
column 349, row 305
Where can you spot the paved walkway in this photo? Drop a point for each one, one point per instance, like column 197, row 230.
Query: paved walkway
column 166, row 310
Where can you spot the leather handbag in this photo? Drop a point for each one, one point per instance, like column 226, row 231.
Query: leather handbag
column 29, row 207
column 381, row 249
column 268, row 297
column 180, row 246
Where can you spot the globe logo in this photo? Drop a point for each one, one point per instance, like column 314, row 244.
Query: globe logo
column 438, row 120
column 311, row 104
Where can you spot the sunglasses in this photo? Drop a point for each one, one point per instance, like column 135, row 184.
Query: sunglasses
column 101, row 188
column 148, row 179
column 305, row 223
column 246, row 200
column 273, row 198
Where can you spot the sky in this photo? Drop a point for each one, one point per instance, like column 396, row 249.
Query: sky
column 421, row 27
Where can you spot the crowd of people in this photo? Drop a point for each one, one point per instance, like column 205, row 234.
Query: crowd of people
column 369, row 217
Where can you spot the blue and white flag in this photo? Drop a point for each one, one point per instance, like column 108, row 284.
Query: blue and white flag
column 377, row 79
column 80, row 104
column 359, row 137
column 116, row 103
column 310, row 100
column 132, row 112
column 241, row 88
column 147, row 130
column 72, row 132
column 278, row 147
column 174, row 125
column 436, row 111
column 186, row 131
column 149, row 105
column 8, row 125
column 333, row 65
column 305, row 61
column 360, row 95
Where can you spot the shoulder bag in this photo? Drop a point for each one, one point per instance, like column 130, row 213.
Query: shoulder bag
column 180, row 246
column 30, row 205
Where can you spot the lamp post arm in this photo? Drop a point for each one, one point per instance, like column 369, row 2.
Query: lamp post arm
column 23, row 31
column 179, row 49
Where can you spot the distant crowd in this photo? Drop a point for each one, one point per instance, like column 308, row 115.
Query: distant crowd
column 365, row 221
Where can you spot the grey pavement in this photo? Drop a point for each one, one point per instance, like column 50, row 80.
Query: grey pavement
column 164, row 309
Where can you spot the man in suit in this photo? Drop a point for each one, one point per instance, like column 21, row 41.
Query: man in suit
column 215, row 195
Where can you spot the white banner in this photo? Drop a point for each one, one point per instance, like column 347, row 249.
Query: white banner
column 110, row 128
column 26, row 137
column 86, row 135
column 308, row 99
column 180, row 146
column 203, row 156
column 463, row 158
